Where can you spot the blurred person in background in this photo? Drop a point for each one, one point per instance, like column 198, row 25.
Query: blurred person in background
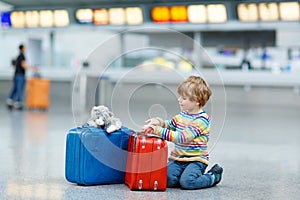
column 14, row 100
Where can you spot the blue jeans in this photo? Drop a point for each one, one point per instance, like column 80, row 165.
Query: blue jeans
column 18, row 87
column 188, row 175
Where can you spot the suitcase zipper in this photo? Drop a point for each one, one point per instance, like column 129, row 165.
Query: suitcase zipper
column 143, row 142
column 140, row 184
column 134, row 143
column 158, row 143
column 155, row 185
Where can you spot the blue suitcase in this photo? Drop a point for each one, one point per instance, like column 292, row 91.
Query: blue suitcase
column 95, row 157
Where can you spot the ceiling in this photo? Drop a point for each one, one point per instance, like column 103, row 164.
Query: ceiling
column 18, row 4
column 74, row 3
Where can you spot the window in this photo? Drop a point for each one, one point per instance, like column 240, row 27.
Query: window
column 247, row 12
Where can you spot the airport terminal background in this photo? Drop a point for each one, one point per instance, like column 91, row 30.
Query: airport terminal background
column 255, row 109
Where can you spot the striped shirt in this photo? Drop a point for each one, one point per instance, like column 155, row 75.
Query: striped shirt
column 190, row 133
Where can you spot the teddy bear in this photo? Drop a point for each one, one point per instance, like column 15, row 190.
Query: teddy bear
column 102, row 117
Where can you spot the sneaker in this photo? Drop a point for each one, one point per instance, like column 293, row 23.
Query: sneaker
column 9, row 103
column 18, row 105
column 216, row 171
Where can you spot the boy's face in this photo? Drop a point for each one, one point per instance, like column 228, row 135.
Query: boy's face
column 192, row 107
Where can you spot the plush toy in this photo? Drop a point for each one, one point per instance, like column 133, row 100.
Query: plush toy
column 102, row 117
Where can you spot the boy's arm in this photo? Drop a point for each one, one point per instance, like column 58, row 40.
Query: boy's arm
column 190, row 132
column 171, row 123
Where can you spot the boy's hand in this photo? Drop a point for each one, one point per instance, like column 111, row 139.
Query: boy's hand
column 148, row 129
column 153, row 121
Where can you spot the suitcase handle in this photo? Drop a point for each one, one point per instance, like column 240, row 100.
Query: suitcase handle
column 136, row 134
column 85, row 125
column 149, row 135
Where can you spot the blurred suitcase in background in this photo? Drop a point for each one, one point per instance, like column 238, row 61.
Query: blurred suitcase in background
column 146, row 167
column 95, row 157
column 38, row 90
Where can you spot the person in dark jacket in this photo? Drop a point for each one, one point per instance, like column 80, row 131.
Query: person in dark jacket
column 19, row 81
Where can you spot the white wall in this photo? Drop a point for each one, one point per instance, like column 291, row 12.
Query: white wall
column 80, row 43
column 71, row 46
column 9, row 48
column 286, row 37
column 74, row 44
column 10, row 41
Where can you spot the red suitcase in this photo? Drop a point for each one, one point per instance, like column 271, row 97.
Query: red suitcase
column 146, row 167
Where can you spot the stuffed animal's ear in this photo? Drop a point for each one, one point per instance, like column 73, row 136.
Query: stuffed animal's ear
column 102, row 107
column 93, row 110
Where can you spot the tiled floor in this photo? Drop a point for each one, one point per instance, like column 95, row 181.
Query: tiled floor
column 258, row 146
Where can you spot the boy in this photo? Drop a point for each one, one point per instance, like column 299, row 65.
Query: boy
column 189, row 130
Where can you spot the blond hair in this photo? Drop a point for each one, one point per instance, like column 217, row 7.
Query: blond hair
column 196, row 89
